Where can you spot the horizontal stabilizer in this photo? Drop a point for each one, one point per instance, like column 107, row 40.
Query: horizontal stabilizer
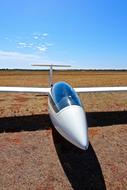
column 49, row 65
column 43, row 91
column 101, row 89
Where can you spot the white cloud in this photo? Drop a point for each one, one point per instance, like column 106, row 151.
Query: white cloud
column 38, row 43
column 21, row 43
column 42, row 48
column 36, row 37
column 39, row 36
column 45, row 34
column 18, row 60
column 34, row 46
column 24, row 45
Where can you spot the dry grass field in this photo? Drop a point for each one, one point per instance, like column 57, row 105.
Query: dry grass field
column 33, row 156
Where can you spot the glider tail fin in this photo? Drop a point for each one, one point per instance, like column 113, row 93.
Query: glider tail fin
column 51, row 70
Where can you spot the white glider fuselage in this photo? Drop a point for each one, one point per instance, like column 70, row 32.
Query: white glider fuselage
column 67, row 114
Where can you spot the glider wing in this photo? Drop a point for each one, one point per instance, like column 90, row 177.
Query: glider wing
column 100, row 89
column 43, row 91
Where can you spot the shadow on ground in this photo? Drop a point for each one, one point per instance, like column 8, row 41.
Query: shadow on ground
column 25, row 123
column 43, row 122
column 106, row 118
column 81, row 167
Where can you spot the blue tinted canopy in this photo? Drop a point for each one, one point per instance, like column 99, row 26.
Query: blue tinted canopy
column 64, row 95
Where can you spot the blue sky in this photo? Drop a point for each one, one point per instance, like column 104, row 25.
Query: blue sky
column 84, row 33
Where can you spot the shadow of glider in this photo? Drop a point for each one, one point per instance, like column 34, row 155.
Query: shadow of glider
column 43, row 122
column 82, row 168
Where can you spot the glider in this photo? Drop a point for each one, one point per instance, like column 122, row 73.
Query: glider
column 65, row 108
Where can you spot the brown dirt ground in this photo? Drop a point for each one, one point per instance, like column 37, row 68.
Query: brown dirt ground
column 33, row 156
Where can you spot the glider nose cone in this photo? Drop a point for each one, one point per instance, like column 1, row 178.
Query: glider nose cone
column 83, row 144
column 72, row 125
column 81, row 136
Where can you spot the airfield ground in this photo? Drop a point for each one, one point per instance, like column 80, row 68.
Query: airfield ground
column 33, row 156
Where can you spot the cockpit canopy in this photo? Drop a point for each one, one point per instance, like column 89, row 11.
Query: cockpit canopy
column 64, row 95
